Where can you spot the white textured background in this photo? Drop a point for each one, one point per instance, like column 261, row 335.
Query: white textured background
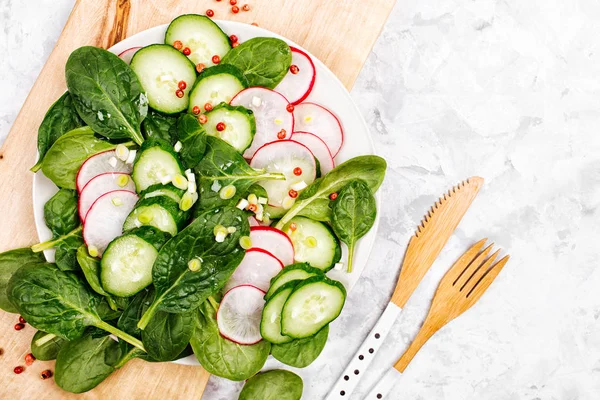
column 508, row 90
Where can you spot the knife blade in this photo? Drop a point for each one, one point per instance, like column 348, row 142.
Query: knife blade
column 423, row 248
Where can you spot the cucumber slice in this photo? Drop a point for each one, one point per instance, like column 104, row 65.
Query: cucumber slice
column 126, row 266
column 313, row 304
column 155, row 161
column 160, row 69
column 159, row 189
column 161, row 212
column 292, row 272
column 314, row 242
column 216, row 85
column 270, row 324
column 240, row 125
column 201, row 35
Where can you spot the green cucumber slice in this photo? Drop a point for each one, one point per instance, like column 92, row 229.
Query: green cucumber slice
column 312, row 304
column 160, row 69
column 216, row 85
column 314, row 242
column 240, row 125
column 292, row 272
column 161, row 212
column 270, row 324
column 155, row 160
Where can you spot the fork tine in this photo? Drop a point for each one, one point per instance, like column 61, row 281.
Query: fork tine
column 479, row 272
column 481, row 286
column 459, row 266
column 472, row 266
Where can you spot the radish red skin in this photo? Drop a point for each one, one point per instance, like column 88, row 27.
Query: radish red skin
column 221, row 305
column 83, row 213
column 81, row 182
column 278, row 232
column 327, row 162
column 301, row 127
column 127, row 55
column 290, row 75
column 269, row 267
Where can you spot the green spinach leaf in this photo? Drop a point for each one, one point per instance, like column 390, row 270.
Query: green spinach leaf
column 273, row 385
column 300, row 353
column 167, row 334
column 220, row 356
column 68, row 153
column 222, row 165
column 107, row 93
column 178, row 289
column 60, row 212
column 192, row 136
column 353, row 214
column 66, row 255
column 91, row 270
column 370, row 169
column 159, row 126
column 84, row 363
column 71, row 240
column 263, row 61
column 134, row 311
column 45, row 346
column 59, row 302
column 60, row 118
column 10, row 262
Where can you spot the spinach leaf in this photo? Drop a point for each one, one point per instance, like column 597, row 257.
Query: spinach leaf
column 91, row 270
column 66, row 255
column 192, row 136
column 10, row 262
column 220, row 356
column 178, row 289
column 68, row 153
column 301, row 353
column 167, row 334
column 60, row 212
column 353, row 214
column 223, row 165
column 59, row 302
column 273, row 385
column 60, row 118
column 263, row 61
column 131, row 315
column 45, row 346
column 370, row 169
column 159, row 126
column 84, row 363
column 107, row 93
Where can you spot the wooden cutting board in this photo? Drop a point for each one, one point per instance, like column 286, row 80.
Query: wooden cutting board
column 340, row 33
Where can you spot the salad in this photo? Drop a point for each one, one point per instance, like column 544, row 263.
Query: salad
column 199, row 210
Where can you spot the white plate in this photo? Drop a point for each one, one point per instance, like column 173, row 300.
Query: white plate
column 328, row 91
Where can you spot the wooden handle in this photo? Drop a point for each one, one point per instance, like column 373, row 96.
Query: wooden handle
column 429, row 328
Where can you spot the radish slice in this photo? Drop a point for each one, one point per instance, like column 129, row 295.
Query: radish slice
column 99, row 164
column 239, row 314
column 257, row 269
column 128, row 54
column 104, row 221
column 319, row 121
column 271, row 115
column 100, row 185
column 296, row 87
column 284, row 157
column 274, row 241
column 318, row 148
column 253, row 221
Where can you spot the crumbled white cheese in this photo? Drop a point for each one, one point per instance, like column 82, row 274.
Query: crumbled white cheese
column 242, row 204
column 262, row 200
column 178, row 146
column 191, row 187
column 165, row 179
column 299, row 186
column 220, row 237
column 256, row 101
column 113, row 162
column 338, row 266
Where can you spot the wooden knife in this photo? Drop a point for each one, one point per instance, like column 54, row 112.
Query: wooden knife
column 425, row 245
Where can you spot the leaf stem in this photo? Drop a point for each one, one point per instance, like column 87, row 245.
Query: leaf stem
column 45, row 339
column 137, row 137
column 147, row 315
column 36, row 248
column 121, row 335
column 37, row 166
column 131, row 354
column 350, row 255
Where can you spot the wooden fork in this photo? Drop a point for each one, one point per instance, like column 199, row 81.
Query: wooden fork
column 461, row 287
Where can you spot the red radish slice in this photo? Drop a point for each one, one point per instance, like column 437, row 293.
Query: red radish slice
column 319, row 121
column 99, row 164
column 100, row 185
column 253, row 221
column 128, row 54
column 257, row 269
column 296, row 87
column 318, row 148
column 239, row 314
column 272, row 117
column 288, row 157
column 104, row 221
column 274, row 241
